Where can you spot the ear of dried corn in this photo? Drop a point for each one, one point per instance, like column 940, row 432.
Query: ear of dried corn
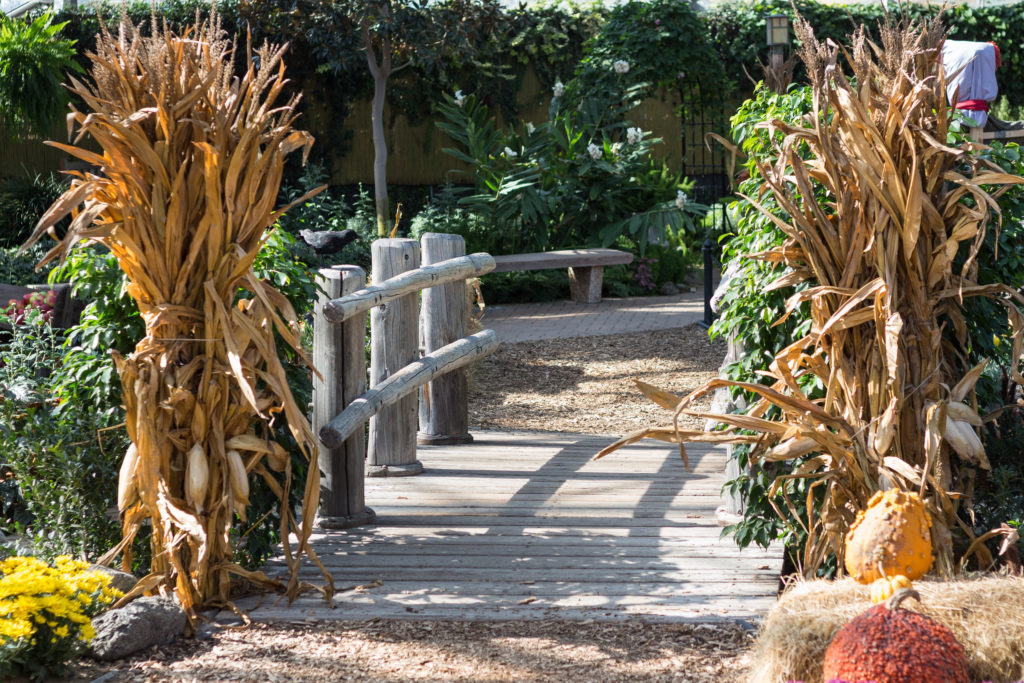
column 879, row 255
column 189, row 171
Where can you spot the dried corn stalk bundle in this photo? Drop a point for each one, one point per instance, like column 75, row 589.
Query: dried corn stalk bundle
column 879, row 256
column 189, row 171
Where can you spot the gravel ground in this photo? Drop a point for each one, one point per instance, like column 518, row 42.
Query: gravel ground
column 579, row 385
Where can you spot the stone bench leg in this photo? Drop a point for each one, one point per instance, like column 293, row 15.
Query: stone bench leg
column 585, row 284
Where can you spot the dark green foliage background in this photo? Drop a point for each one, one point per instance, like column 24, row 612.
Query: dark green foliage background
column 498, row 44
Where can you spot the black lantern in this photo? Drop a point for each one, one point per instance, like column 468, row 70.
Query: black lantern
column 778, row 30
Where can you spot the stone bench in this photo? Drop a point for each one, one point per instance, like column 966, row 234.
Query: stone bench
column 586, row 268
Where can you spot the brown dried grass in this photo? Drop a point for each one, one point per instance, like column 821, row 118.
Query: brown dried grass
column 878, row 252
column 983, row 611
column 190, row 164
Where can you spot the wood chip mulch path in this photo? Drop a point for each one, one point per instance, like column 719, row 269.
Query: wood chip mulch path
column 581, row 385
column 389, row 650
column 585, row 384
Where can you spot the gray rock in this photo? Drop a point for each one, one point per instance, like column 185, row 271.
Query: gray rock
column 668, row 289
column 138, row 625
column 122, row 581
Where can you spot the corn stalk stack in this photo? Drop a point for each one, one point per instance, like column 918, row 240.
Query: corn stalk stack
column 888, row 339
column 187, row 177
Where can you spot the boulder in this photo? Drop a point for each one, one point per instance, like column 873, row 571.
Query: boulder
column 122, row 581
column 138, row 625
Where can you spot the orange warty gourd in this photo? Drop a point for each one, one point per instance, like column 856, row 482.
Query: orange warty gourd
column 888, row 644
column 892, row 536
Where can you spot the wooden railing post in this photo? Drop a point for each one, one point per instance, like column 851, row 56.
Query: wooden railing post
column 394, row 336
column 339, row 356
column 444, row 407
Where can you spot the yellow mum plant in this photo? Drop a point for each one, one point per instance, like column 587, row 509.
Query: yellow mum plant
column 46, row 613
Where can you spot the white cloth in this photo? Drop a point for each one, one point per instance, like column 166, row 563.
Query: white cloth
column 971, row 68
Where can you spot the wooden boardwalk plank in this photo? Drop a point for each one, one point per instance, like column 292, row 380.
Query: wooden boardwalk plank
column 529, row 526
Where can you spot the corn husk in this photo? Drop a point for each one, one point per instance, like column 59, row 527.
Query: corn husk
column 127, row 481
column 878, row 255
column 183, row 190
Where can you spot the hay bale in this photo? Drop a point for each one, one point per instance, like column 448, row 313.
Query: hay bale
column 983, row 610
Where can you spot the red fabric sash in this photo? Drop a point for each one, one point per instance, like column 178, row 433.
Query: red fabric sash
column 999, row 57
column 972, row 105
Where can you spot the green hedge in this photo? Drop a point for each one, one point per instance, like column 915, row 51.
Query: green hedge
column 499, row 44
column 738, row 30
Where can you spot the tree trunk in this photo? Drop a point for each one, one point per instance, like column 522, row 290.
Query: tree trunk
column 380, row 157
column 380, row 71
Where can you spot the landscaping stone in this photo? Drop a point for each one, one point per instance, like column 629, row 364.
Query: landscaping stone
column 138, row 625
column 668, row 289
column 122, row 581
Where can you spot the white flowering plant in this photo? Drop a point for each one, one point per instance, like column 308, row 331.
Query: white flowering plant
column 583, row 178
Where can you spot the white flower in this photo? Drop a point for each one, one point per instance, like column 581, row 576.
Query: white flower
column 511, row 153
column 530, row 128
column 595, row 151
column 616, row 148
column 681, row 199
column 460, row 99
column 621, row 66
column 634, row 135
column 559, row 89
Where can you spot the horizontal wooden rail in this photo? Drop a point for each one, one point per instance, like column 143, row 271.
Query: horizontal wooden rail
column 405, row 381
column 442, row 273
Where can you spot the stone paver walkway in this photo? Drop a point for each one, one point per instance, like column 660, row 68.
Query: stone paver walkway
column 565, row 319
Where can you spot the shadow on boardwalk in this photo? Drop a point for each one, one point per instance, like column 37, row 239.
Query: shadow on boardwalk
column 527, row 526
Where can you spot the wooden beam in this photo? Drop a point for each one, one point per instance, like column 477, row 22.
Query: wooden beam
column 395, row 287
column 455, row 355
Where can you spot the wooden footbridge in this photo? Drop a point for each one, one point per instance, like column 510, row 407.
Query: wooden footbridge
column 496, row 525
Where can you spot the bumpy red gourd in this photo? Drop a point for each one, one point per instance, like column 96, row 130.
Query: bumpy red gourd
column 888, row 644
column 891, row 536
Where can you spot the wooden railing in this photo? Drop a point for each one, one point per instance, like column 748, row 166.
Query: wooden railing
column 341, row 402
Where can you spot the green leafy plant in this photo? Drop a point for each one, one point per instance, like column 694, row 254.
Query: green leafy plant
column 20, row 268
column 110, row 322
column 61, row 457
column 22, row 201
column 579, row 179
column 33, row 61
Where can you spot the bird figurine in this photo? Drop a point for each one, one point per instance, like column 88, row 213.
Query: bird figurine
column 328, row 241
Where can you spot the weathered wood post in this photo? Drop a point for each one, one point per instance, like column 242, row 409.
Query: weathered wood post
column 444, row 407
column 394, row 337
column 339, row 355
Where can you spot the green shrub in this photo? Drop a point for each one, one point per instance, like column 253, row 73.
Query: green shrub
column 33, row 62
column 62, row 457
column 20, row 269
column 22, row 201
column 444, row 214
column 583, row 178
